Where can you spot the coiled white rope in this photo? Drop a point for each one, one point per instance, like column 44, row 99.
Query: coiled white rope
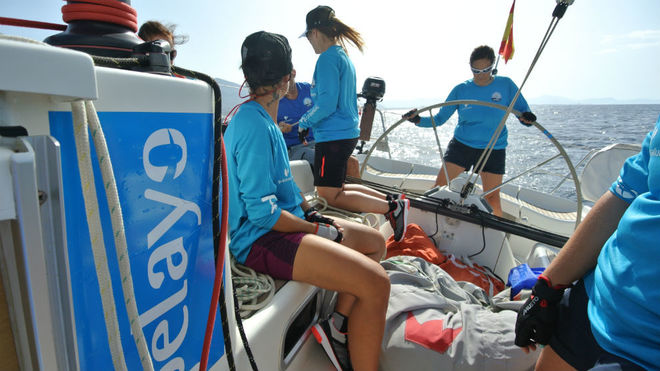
column 369, row 219
column 250, row 288
column 81, row 137
column 119, row 234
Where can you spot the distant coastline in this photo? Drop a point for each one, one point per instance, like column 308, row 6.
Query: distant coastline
column 548, row 99
column 230, row 98
column 543, row 100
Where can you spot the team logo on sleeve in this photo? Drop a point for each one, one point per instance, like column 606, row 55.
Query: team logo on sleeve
column 624, row 191
column 307, row 102
column 273, row 202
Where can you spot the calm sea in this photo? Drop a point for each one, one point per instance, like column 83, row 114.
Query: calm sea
column 578, row 128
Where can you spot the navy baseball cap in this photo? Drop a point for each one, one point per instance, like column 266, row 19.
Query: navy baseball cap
column 266, row 58
column 319, row 16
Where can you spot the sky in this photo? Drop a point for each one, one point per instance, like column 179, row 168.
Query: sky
column 421, row 48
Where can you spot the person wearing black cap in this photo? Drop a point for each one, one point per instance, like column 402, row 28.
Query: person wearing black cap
column 334, row 119
column 273, row 230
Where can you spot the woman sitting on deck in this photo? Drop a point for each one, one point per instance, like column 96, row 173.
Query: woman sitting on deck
column 274, row 231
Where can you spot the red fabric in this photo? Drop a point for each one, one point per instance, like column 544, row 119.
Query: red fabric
column 476, row 274
column 416, row 243
column 430, row 334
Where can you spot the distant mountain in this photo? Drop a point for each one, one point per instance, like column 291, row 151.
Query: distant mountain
column 230, row 99
column 544, row 99
column 229, row 91
column 551, row 99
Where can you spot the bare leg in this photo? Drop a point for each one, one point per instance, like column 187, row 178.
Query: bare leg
column 364, row 189
column 549, row 360
column 348, row 198
column 353, row 167
column 361, row 282
column 490, row 181
column 452, row 169
column 365, row 240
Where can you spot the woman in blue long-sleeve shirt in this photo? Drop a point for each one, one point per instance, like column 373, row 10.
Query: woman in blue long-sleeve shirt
column 477, row 124
column 334, row 120
column 274, row 231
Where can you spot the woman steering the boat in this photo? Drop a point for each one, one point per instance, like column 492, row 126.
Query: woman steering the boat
column 334, row 120
column 274, row 231
column 477, row 124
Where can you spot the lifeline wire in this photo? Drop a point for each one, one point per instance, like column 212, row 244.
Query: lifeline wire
column 489, row 148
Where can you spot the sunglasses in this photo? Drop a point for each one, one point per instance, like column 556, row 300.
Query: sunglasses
column 478, row 71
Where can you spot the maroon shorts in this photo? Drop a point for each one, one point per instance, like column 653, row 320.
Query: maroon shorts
column 274, row 253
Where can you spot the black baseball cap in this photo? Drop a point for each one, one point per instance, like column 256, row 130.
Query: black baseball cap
column 265, row 58
column 319, row 16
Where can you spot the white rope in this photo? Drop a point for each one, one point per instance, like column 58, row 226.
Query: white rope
column 22, row 39
column 250, row 288
column 96, row 234
column 118, row 231
column 327, row 210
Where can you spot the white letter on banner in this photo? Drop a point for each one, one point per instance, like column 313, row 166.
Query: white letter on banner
column 174, row 364
column 162, row 330
column 166, row 252
column 181, row 207
column 164, row 306
column 159, row 138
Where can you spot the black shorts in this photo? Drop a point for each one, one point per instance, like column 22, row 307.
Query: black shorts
column 467, row 157
column 573, row 340
column 330, row 162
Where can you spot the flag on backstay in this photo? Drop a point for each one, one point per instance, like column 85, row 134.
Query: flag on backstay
column 506, row 47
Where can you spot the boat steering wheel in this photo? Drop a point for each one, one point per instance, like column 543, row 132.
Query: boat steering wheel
column 543, row 130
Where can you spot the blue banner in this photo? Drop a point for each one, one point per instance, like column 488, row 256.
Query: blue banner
column 163, row 166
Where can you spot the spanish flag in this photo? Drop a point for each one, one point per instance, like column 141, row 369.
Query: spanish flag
column 506, row 47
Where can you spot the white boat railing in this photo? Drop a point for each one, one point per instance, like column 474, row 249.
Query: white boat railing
column 544, row 131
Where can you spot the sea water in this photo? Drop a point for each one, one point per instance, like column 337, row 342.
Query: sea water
column 578, row 128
